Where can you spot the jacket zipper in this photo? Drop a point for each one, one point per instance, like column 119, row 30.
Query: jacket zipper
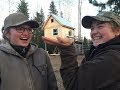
column 29, row 78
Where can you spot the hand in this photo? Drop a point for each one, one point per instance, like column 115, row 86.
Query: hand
column 58, row 41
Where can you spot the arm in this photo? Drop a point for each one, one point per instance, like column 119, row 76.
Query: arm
column 100, row 73
column 69, row 67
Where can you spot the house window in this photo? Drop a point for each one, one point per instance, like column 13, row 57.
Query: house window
column 70, row 33
column 52, row 20
column 55, row 31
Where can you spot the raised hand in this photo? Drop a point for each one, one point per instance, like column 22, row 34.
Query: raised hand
column 58, row 41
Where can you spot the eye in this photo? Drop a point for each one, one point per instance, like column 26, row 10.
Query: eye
column 92, row 28
column 100, row 26
column 30, row 29
column 19, row 29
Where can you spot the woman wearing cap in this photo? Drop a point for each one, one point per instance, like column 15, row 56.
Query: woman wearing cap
column 23, row 66
column 100, row 69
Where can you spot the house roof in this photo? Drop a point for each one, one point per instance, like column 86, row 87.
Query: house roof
column 62, row 21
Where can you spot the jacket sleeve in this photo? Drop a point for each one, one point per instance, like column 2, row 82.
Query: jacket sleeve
column 52, row 82
column 99, row 73
column 69, row 67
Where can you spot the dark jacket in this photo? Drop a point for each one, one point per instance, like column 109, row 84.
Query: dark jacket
column 100, row 69
column 31, row 73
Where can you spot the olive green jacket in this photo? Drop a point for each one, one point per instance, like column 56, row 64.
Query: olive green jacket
column 31, row 73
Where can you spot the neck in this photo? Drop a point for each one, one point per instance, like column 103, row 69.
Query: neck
column 22, row 50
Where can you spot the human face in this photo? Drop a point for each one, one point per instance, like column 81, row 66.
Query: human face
column 20, row 35
column 101, row 32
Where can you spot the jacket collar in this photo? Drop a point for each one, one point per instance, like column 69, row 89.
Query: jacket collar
column 113, row 44
column 6, row 47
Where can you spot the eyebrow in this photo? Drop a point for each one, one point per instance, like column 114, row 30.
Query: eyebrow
column 100, row 23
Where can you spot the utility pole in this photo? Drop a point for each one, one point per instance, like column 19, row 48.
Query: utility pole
column 79, row 26
column 79, row 20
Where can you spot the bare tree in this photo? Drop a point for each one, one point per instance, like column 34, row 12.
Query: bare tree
column 10, row 5
column 65, row 7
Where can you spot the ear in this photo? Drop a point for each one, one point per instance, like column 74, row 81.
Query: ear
column 116, row 30
column 7, row 34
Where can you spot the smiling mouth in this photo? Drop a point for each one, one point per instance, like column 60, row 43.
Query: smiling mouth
column 24, row 39
column 96, row 37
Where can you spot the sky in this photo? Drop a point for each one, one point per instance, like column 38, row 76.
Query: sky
column 9, row 6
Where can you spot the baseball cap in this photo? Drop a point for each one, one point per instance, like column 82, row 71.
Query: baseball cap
column 101, row 16
column 16, row 19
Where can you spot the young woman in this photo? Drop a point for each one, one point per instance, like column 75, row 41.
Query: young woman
column 100, row 69
column 23, row 66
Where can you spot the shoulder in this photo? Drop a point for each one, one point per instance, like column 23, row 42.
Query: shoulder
column 106, row 57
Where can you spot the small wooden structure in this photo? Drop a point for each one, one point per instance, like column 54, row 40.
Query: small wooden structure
column 58, row 26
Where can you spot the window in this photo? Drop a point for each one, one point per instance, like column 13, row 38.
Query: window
column 70, row 33
column 52, row 20
column 55, row 31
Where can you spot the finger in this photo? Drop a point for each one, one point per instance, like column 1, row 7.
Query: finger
column 65, row 41
column 51, row 41
column 62, row 40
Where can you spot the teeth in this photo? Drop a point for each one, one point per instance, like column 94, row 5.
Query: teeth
column 96, row 38
column 23, row 38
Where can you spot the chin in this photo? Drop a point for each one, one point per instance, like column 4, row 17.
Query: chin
column 96, row 43
column 24, row 45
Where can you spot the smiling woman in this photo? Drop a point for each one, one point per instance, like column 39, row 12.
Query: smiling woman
column 100, row 68
column 23, row 66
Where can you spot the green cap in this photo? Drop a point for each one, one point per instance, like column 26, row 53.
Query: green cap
column 16, row 19
column 102, row 16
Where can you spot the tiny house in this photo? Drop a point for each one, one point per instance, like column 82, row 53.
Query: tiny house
column 58, row 26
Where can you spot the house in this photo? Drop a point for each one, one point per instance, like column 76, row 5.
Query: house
column 58, row 26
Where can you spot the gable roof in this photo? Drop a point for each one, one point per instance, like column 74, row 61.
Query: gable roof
column 61, row 21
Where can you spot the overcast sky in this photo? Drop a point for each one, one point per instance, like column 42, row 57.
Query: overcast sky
column 35, row 5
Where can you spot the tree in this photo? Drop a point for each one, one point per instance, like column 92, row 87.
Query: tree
column 113, row 5
column 38, row 33
column 65, row 8
column 86, row 44
column 23, row 7
column 52, row 8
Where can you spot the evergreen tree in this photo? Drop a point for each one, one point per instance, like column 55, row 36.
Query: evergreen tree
column 23, row 7
column 38, row 33
column 52, row 8
column 86, row 45
column 114, row 5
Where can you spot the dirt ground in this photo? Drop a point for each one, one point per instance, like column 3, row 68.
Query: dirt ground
column 56, row 62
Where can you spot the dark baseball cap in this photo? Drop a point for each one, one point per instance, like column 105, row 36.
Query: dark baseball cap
column 16, row 19
column 101, row 16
